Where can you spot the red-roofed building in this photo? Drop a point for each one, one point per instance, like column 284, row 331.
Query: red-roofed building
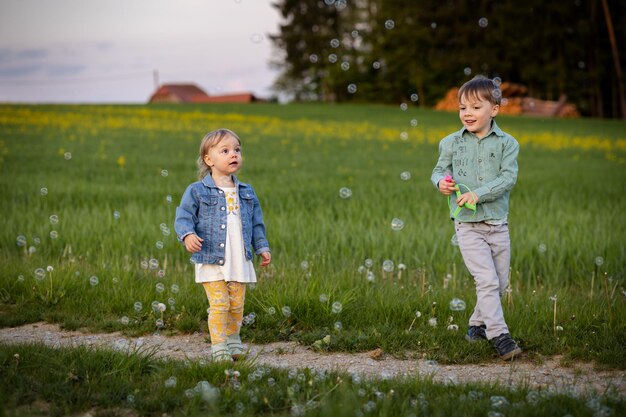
column 191, row 93
column 179, row 93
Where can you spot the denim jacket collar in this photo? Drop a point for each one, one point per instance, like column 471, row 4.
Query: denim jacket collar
column 208, row 182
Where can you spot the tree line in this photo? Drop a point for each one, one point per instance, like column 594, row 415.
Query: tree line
column 394, row 51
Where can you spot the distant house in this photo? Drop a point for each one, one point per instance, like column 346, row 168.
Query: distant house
column 179, row 93
column 191, row 93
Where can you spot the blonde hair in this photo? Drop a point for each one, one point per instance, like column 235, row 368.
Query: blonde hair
column 209, row 141
column 481, row 87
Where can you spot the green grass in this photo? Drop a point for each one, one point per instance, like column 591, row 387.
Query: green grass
column 38, row 380
column 567, row 201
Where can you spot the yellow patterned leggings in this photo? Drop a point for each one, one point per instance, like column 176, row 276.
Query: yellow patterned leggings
column 225, row 308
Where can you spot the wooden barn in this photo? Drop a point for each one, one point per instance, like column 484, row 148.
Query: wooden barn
column 191, row 93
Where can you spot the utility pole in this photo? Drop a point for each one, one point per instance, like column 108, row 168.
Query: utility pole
column 155, row 77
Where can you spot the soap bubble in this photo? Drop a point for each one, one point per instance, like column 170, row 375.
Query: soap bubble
column 370, row 276
column 390, row 24
column 413, row 122
column 313, row 58
column 271, row 311
column 368, row 263
column 40, row 274
column 352, row 88
column 335, row 43
column 338, row 326
column 116, row 215
column 454, row 240
column 345, row 65
column 286, row 311
column 175, row 288
column 153, row 263
column 498, row 401
column 164, row 173
column 54, row 219
column 170, row 382
column 20, row 278
column 599, row 260
column 93, row 280
column 54, row 234
column 388, row 265
column 171, row 301
column 345, row 192
column 124, row 320
column 542, row 248
column 323, row 298
column 404, row 135
column 405, row 176
column 159, row 323
column 336, row 307
column 43, row 191
column 376, row 65
column 21, row 241
column 483, row 22
column 332, row 58
column 256, row 38
column 168, row 198
column 67, row 155
column 397, row 224
column 159, row 287
column 404, row 106
column 304, row 265
column 467, row 71
column 32, row 250
column 456, row 304
column 414, row 97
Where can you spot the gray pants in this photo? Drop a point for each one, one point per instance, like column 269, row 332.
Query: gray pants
column 486, row 251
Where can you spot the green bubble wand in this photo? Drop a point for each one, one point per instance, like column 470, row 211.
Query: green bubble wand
column 458, row 208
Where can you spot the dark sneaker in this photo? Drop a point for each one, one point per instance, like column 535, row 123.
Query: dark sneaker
column 506, row 346
column 476, row 333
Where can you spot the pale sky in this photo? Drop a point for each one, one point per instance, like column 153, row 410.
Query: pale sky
column 105, row 51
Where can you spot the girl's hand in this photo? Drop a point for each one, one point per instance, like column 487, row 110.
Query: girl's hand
column 267, row 258
column 447, row 185
column 468, row 197
column 193, row 243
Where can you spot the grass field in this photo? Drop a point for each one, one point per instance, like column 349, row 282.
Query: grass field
column 89, row 195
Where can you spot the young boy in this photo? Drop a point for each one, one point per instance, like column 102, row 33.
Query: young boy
column 480, row 161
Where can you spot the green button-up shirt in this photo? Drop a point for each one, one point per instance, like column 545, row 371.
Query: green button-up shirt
column 486, row 166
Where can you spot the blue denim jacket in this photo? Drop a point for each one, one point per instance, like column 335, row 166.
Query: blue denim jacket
column 202, row 211
column 487, row 166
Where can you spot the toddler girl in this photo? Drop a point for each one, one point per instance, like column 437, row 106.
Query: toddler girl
column 219, row 219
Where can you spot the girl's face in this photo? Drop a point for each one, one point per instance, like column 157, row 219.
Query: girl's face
column 476, row 114
column 224, row 158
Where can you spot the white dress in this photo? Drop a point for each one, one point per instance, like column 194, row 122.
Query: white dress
column 236, row 267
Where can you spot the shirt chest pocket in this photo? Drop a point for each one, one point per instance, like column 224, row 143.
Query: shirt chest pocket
column 247, row 202
column 208, row 205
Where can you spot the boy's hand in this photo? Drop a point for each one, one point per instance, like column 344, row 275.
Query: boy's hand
column 267, row 258
column 193, row 243
column 447, row 185
column 468, row 197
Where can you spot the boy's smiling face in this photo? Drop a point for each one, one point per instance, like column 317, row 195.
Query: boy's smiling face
column 476, row 114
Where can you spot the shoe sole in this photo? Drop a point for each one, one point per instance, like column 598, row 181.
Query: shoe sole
column 512, row 354
column 473, row 340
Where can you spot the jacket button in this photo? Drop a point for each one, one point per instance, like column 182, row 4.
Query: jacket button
column 480, row 160
column 224, row 226
column 221, row 262
column 222, row 208
column 480, row 178
column 221, row 245
column 221, row 192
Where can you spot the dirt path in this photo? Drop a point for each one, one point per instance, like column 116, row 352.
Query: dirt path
column 578, row 379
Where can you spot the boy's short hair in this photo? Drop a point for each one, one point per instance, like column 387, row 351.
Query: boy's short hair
column 481, row 87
